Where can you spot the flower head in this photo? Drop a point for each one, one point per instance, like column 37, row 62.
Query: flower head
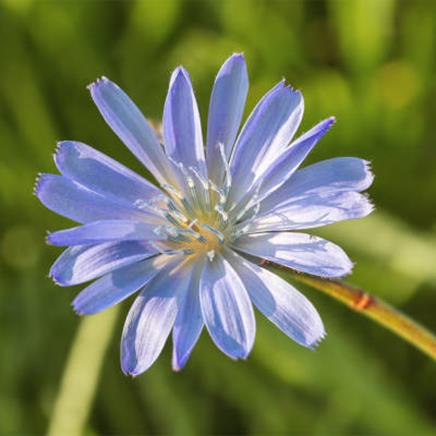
column 190, row 246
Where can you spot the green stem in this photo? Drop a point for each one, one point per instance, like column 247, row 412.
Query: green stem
column 370, row 306
column 80, row 379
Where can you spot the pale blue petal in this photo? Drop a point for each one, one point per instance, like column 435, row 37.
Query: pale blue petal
column 325, row 177
column 114, row 287
column 288, row 162
column 312, row 210
column 74, row 201
column 101, row 174
column 299, row 251
column 280, row 302
column 225, row 112
column 227, row 310
column 80, row 264
column 267, row 132
column 189, row 322
column 98, row 232
column 130, row 125
column 183, row 138
column 152, row 317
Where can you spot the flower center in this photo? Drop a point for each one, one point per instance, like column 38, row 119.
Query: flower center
column 198, row 218
column 209, row 241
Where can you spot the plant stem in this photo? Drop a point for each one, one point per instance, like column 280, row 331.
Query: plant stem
column 81, row 374
column 370, row 306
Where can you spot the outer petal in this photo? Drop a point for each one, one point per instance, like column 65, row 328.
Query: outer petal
column 74, row 201
column 225, row 112
column 83, row 263
column 302, row 252
column 280, row 302
column 312, row 210
column 289, row 161
column 152, row 317
column 99, row 232
column 189, row 322
column 101, row 174
column 130, row 125
column 115, row 287
column 325, row 177
column 268, row 130
column 181, row 123
column 227, row 310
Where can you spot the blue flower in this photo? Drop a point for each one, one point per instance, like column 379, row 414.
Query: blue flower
column 191, row 244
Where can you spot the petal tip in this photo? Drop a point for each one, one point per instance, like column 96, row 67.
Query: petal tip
column 55, row 274
column 233, row 64
column 130, row 372
column 58, row 151
column 313, row 346
column 370, row 206
column 36, row 185
column 238, row 57
column 56, row 280
column 40, row 181
column 179, row 361
column 76, row 308
column 331, row 120
column 177, row 77
column 176, row 368
column 48, row 239
column 293, row 92
column 99, row 81
column 369, row 172
column 180, row 73
column 246, row 355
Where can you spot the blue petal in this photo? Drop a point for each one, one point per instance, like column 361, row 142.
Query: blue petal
column 114, row 287
column 325, row 177
column 280, row 302
column 74, row 201
column 98, row 232
column 101, row 174
column 225, row 111
column 80, row 264
column 268, row 130
column 181, row 123
column 311, row 210
column 288, row 162
column 152, row 316
column 130, row 125
column 227, row 310
column 189, row 322
column 299, row 251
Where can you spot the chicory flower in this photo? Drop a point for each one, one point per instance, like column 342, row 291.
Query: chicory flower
column 191, row 244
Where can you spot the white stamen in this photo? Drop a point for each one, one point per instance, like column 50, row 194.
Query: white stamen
column 205, row 193
column 171, row 219
column 185, row 251
column 174, row 211
column 187, row 206
column 222, row 216
column 216, row 232
column 193, row 191
column 196, row 235
column 221, row 194
column 172, row 190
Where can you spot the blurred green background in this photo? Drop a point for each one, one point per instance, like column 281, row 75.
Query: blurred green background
column 369, row 62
